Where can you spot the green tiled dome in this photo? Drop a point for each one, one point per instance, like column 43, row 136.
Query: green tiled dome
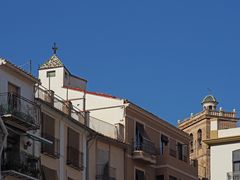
column 209, row 98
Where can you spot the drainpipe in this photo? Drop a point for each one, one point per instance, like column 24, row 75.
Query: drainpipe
column 89, row 138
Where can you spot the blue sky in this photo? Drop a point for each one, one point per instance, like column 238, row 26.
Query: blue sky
column 162, row 55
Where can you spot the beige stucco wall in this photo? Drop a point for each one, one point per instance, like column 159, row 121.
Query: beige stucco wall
column 116, row 157
column 166, row 165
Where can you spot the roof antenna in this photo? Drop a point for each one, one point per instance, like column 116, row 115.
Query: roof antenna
column 54, row 48
column 29, row 63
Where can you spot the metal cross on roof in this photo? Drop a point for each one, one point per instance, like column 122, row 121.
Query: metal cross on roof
column 54, row 48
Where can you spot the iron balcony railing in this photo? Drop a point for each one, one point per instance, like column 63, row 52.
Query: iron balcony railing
column 26, row 111
column 74, row 158
column 57, row 102
column 105, row 172
column 233, row 175
column 145, row 145
column 50, row 149
column 20, row 163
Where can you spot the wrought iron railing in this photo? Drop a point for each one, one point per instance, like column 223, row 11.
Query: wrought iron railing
column 145, row 145
column 57, row 102
column 20, row 107
column 105, row 172
column 20, row 163
column 74, row 158
column 50, row 149
column 233, row 175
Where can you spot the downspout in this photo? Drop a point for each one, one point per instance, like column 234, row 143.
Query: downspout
column 89, row 138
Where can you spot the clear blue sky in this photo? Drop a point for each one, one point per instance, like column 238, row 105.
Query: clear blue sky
column 163, row 55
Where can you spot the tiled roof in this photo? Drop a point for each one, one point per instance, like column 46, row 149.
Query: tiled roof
column 5, row 61
column 53, row 62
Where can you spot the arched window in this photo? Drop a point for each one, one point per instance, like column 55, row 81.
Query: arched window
column 199, row 137
column 191, row 142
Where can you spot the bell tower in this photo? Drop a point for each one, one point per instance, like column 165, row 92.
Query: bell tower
column 209, row 103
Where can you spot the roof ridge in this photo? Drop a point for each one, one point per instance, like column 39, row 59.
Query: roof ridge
column 53, row 62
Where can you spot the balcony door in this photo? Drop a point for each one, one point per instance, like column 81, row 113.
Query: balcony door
column 13, row 96
column 139, row 134
column 73, row 149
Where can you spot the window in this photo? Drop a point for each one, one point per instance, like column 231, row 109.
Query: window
column 48, row 132
column 139, row 136
column 236, row 160
column 51, row 74
column 160, row 177
column 13, row 96
column 163, row 142
column 180, row 151
column 139, row 175
column 74, row 156
column 191, row 143
column 199, row 137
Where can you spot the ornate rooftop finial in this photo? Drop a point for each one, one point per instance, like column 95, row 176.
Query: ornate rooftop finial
column 54, row 48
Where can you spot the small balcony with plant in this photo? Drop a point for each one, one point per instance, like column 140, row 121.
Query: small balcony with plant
column 19, row 112
column 20, row 165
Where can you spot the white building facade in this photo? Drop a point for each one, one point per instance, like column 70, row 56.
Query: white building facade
column 225, row 153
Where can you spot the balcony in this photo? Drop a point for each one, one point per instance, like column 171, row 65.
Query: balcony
column 51, row 150
column 21, row 165
column 144, row 151
column 74, row 158
column 58, row 103
column 19, row 111
column 105, row 172
column 233, row 175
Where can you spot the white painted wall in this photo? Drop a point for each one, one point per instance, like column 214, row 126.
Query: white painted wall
column 8, row 75
column 55, row 82
column 229, row 132
column 221, row 160
column 109, row 115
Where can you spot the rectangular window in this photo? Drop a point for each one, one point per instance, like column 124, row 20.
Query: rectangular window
column 163, row 142
column 14, row 101
column 139, row 175
column 180, row 151
column 74, row 156
column 160, row 177
column 139, row 136
column 51, row 73
column 48, row 132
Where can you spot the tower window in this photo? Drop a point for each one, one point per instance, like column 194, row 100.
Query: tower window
column 199, row 137
column 51, row 73
column 191, row 143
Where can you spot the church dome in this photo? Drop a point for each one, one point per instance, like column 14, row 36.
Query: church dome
column 209, row 99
